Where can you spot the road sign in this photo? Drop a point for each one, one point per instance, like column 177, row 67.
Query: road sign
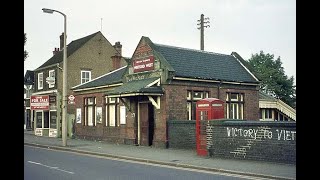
column 71, row 99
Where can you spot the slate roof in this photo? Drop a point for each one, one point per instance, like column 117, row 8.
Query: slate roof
column 192, row 63
column 71, row 48
column 106, row 79
column 264, row 96
column 137, row 86
column 29, row 78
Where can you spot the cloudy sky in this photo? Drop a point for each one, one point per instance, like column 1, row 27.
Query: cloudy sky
column 243, row 26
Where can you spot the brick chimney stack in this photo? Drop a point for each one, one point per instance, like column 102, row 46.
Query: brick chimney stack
column 61, row 41
column 118, row 48
column 55, row 51
column 117, row 57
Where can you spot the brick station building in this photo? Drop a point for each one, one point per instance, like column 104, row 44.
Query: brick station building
column 132, row 104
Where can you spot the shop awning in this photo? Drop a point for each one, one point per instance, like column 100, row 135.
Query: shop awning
column 147, row 87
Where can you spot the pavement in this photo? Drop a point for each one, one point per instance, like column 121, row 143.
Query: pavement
column 170, row 157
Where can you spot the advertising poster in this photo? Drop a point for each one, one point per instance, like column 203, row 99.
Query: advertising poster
column 122, row 115
column 99, row 115
column 78, row 115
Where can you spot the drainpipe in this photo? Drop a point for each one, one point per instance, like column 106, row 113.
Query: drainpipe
column 219, row 86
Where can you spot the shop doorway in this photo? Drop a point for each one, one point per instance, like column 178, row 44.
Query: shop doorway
column 45, row 119
column 146, row 117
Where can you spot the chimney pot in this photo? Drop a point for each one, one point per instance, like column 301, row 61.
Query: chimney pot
column 61, row 41
column 55, row 51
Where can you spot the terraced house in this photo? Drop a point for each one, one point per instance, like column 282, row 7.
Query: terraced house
column 131, row 105
column 88, row 57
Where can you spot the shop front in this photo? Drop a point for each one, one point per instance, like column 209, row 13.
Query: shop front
column 45, row 113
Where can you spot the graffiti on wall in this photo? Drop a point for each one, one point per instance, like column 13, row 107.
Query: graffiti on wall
column 279, row 134
column 252, row 136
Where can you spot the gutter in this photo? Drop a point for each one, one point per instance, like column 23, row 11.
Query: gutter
column 215, row 81
column 56, row 64
column 98, row 87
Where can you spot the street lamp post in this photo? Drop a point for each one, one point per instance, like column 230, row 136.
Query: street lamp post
column 64, row 76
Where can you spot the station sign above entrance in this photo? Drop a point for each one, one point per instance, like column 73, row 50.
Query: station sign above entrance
column 146, row 64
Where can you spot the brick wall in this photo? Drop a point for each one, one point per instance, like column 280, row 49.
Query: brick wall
column 182, row 134
column 176, row 98
column 267, row 141
column 251, row 100
column 100, row 131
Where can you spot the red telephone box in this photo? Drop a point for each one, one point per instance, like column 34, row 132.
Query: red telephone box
column 206, row 110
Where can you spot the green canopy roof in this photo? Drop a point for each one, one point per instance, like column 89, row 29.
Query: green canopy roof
column 137, row 87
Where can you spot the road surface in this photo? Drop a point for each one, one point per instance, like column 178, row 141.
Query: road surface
column 47, row 164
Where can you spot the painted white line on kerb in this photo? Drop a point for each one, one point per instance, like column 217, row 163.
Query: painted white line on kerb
column 51, row 167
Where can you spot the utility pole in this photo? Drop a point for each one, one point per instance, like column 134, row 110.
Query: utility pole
column 202, row 23
column 101, row 25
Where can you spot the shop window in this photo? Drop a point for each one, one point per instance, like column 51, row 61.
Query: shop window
column 112, row 118
column 39, row 119
column 46, row 119
column 90, row 104
column 53, row 119
column 235, row 105
column 192, row 98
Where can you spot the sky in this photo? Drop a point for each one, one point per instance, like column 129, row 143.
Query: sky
column 243, row 26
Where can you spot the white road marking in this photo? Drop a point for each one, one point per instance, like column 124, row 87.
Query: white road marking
column 51, row 167
column 162, row 165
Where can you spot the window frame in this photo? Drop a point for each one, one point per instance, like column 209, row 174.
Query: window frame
column 85, row 79
column 112, row 103
column 54, row 76
column 191, row 102
column 89, row 110
column 235, row 106
column 40, row 81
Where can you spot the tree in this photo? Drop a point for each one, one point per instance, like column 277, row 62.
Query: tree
column 272, row 76
column 25, row 52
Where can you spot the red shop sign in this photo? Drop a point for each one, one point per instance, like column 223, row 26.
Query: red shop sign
column 39, row 102
column 140, row 65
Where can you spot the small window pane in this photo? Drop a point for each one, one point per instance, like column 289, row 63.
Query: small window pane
column 112, row 115
column 197, row 95
column 189, row 95
column 234, row 97
column 90, row 114
column 189, row 110
column 112, row 100
column 90, row 101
